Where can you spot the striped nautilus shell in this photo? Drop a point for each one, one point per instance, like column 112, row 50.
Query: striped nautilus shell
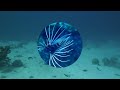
column 59, row 44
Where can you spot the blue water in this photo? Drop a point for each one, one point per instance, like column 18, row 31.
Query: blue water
column 99, row 32
column 26, row 25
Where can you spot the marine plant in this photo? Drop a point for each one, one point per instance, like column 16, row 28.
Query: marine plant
column 4, row 59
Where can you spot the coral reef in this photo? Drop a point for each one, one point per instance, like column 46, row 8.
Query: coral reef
column 17, row 63
column 106, row 61
column 5, row 64
column 112, row 62
column 4, row 60
column 95, row 61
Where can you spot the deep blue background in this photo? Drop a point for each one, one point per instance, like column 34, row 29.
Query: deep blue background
column 92, row 25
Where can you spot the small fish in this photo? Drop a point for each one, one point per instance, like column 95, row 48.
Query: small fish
column 54, row 76
column 30, row 58
column 67, row 75
column 85, row 70
column 98, row 69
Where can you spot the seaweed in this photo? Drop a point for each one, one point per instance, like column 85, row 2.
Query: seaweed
column 5, row 61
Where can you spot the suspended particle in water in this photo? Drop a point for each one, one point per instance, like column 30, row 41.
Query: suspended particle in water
column 59, row 44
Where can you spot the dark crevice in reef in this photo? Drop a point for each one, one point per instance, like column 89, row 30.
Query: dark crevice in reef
column 5, row 62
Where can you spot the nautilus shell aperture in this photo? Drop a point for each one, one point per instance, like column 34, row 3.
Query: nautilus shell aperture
column 59, row 44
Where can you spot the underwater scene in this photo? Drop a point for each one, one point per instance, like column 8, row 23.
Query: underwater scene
column 59, row 44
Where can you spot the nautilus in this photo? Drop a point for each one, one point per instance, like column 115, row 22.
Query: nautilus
column 59, row 44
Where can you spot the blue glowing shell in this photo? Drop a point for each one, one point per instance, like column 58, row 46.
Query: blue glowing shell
column 59, row 44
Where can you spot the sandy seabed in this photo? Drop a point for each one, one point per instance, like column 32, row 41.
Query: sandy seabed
column 35, row 68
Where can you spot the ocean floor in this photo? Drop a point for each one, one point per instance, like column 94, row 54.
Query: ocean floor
column 84, row 68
